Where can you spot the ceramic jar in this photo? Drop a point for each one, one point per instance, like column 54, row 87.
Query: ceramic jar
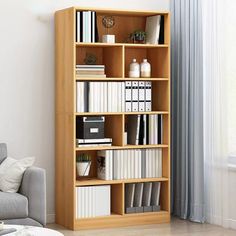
column 145, row 69
column 134, row 69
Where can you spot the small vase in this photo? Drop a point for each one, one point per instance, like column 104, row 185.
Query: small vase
column 134, row 69
column 83, row 168
column 145, row 69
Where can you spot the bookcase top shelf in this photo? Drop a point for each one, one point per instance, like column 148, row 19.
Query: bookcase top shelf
column 112, row 11
column 88, row 182
column 128, row 45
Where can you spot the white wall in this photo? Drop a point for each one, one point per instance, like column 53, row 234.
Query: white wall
column 27, row 76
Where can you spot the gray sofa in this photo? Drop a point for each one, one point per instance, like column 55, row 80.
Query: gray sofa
column 28, row 206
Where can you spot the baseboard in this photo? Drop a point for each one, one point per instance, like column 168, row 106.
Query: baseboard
column 50, row 218
column 232, row 223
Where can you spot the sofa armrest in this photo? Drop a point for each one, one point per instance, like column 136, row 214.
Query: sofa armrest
column 33, row 186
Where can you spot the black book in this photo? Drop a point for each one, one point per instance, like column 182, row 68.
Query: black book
column 147, row 129
column 161, row 35
column 96, row 28
column 159, row 129
column 141, row 130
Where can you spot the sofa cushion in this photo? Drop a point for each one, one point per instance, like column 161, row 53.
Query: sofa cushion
column 13, row 205
column 3, row 152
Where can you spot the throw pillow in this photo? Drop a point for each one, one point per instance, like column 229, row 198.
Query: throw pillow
column 11, row 173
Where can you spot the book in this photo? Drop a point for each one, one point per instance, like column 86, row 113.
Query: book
column 133, row 124
column 162, row 33
column 129, row 195
column 147, row 191
column 155, row 198
column 93, row 201
column 138, row 194
column 153, row 29
column 94, row 141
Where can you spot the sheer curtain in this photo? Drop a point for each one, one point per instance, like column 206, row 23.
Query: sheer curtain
column 219, row 99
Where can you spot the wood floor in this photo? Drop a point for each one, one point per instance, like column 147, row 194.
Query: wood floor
column 176, row 227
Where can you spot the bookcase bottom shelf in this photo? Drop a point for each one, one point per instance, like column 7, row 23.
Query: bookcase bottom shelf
column 116, row 220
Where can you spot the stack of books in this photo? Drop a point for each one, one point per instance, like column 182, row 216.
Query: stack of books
column 86, row 27
column 129, row 164
column 90, row 71
column 144, row 129
column 142, row 197
column 93, row 201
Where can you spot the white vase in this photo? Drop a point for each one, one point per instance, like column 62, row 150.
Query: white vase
column 134, row 69
column 145, row 69
column 83, row 168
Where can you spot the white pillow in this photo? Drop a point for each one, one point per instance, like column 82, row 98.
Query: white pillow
column 11, row 173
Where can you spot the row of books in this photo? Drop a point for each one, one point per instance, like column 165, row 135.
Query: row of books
column 144, row 129
column 142, row 197
column 92, row 201
column 86, row 27
column 114, row 96
column 90, row 71
column 129, row 164
column 138, row 96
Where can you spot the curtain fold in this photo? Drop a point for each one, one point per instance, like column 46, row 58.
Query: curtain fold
column 187, row 110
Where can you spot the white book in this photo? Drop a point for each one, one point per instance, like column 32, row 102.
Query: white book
column 89, row 26
column 125, row 163
column 149, row 158
column 136, row 163
column 82, row 202
column 128, row 163
column 78, row 26
column 160, row 162
column 155, row 162
column 93, row 26
column 140, row 164
column 89, row 199
column 103, row 200
column 90, row 97
column 115, row 162
column 111, row 164
column 152, row 29
column 123, row 96
column 105, row 96
column 77, row 203
column 122, row 164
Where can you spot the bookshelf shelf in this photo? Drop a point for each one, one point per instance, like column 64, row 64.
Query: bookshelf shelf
column 116, row 57
column 88, row 182
column 122, row 147
column 120, row 113
column 122, row 79
column 126, row 45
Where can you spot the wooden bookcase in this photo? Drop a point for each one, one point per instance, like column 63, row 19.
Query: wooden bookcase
column 116, row 58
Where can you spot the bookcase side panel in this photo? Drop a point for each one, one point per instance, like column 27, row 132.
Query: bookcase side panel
column 65, row 102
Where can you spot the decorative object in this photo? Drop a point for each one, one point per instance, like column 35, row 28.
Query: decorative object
column 90, row 59
column 83, row 164
column 134, row 69
column 145, row 69
column 138, row 36
column 108, row 22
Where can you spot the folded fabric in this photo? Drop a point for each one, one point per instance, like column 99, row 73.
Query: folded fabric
column 11, row 173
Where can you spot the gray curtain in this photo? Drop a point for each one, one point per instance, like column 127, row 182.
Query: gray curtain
column 187, row 110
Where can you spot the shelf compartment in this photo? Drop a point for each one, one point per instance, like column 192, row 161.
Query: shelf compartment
column 157, row 57
column 110, row 56
column 95, row 181
column 113, row 127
